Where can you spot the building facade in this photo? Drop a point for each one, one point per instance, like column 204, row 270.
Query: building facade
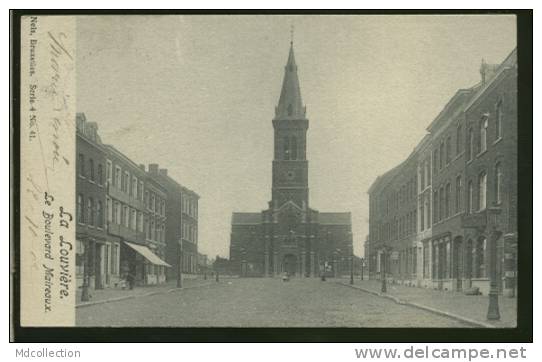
column 466, row 170
column 91, row 232
column 134, row 220
column 289, row 236
column 181, row 223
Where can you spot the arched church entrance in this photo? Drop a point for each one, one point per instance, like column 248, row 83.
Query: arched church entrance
column 289, row 264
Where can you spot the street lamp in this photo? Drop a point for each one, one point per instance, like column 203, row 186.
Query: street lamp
column 493, row 307
column 385, row 251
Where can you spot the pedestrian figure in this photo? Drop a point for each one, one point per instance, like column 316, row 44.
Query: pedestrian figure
column 130, row 278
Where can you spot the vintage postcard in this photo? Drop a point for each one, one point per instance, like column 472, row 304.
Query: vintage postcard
column 183, row 170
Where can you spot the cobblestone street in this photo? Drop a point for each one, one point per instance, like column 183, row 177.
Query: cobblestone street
column 261, row 303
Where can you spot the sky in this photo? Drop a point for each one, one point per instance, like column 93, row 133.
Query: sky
column 196, row 94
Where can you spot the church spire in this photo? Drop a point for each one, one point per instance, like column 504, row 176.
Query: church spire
column 290, row 104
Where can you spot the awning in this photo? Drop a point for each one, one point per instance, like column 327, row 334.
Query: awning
column 147, row 254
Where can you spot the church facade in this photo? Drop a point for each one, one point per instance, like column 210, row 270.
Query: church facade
column 290, row 236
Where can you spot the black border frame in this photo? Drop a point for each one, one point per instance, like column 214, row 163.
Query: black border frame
column 522, row 333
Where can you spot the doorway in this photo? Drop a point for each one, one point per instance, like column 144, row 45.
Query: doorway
column 289, row 264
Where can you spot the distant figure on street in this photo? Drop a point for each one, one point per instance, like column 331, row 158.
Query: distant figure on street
column 285, row 277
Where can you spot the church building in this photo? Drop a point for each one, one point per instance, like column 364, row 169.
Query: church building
column 290, row 236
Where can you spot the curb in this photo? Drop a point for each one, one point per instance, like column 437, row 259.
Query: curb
column 118, row 299
column 422, row 307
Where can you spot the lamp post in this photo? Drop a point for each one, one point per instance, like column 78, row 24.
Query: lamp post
column 180, row 264
column 493, row 307
column 384, row 287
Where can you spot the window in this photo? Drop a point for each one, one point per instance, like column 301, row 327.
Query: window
column 140, row 191
column 441, row 155
column 126, row 182
column 470, row 198
column 100, row 174
column 447, row 200
column 119, row 213
column 115, row 214
column 99, row 214
column 81, row 165
column 294, row 148
column 133, row 220
column 153, row 201
column 470, row 140
column 422, row 178
column 126, row 216
column 109, row 172
column 90, row 211
column 459, row 140
column 483, row 134
column 498, row 183
column 108, row 210
column 498, row 120
column 448, row 150
column 442, row 204
column 482, row 191
column 80, row 211
column 140, row 222
column 133, row 191
column 118, row 177
column 435, row 207
column 286, row 146
column 428, row 208
column 91, row 169
column 428, row 166
column 458, row 195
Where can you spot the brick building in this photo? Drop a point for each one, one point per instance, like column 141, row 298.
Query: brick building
column 181, row 223
column 135, row 219
column 92, row 244
column 290, row 236
column 467, row 191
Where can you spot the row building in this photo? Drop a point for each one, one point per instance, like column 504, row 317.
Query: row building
column 128, row 217
column 432, row 216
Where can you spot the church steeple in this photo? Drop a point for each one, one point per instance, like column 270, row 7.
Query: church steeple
column 290, row 104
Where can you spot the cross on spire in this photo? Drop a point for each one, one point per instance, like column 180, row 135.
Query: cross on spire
column 292, row 34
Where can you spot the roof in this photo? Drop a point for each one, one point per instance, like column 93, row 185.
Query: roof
column 334, row 218
column 510, row 62
column 244, row 218
column 290, row 103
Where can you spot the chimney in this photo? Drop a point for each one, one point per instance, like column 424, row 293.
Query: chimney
column 153, row 168
column 483, row 71
column 142, row 167
column 163, row 171
column 487, row 71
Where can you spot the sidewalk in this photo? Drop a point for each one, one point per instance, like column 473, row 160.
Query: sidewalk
column 115, row 294
column 453, row 304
